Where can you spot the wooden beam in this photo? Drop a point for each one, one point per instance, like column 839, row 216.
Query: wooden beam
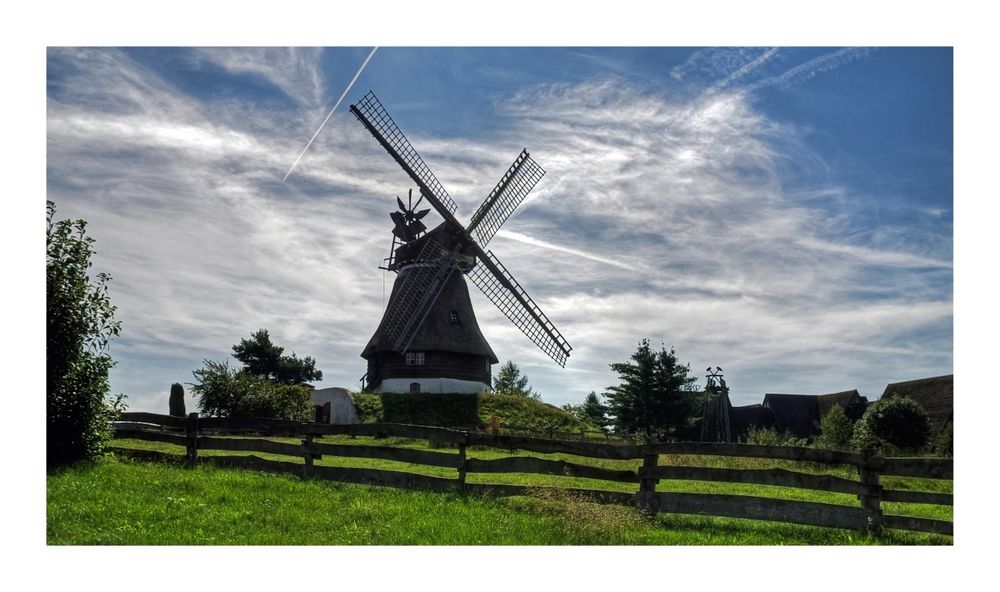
column 758, row 508
column 527, row 464
column 917, row 497
column 778, row 477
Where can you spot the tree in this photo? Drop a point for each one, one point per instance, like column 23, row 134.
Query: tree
column 835, row 430
column 595, row 411
column 591, row 411
column 509, row 381
column 262, row 358
column 229, row 392
column 177, row 400
column 653, row 398
column 80, row 324
column 893, row 423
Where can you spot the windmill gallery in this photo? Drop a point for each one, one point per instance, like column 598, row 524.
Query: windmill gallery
column 428, row 339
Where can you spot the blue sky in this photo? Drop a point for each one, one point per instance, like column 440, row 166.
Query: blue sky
column 785, row 213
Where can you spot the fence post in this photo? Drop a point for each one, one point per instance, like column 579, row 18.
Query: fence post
column 191, row 429
column 645, row 499
column 461, row 466
column 872, row 503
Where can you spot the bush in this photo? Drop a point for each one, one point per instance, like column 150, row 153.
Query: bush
column 897, row 423
column 435, row 409
column 79, row 327
column 836, row 430
column 770, row 437
column 368, row 407
column 226, row 392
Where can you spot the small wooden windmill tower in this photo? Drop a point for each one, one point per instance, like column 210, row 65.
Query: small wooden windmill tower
column 429, row 339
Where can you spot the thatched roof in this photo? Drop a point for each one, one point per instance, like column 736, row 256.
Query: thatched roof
column 438, row 332
column 851, row 402
column 935, row 395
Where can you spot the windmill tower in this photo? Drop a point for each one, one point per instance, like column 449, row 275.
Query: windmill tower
column 429, row 339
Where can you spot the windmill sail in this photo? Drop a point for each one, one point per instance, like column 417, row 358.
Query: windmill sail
column 377, row 121
column 509, row 192
column 432, row 268
column 493, row 279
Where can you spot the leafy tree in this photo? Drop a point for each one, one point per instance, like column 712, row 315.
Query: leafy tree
column 80, row 324
column 509, row 381
column 653, row 397
column 893, row 423
column 262, row 358
column 229, row 392
column 835, row 430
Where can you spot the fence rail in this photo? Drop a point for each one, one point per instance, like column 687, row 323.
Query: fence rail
column 196, row 434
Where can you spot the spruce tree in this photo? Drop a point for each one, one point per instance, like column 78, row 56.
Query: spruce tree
column 653, row 397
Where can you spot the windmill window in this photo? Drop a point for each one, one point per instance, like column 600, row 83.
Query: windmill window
column 414, row 387
column 453, row 317
column 415, row 358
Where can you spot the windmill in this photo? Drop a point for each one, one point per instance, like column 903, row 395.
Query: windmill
column 428, row 339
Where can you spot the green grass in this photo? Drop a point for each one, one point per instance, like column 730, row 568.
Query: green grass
column 136, row 503
column 140, row 503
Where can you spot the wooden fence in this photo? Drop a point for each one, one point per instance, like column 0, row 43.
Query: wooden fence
column 197, row 434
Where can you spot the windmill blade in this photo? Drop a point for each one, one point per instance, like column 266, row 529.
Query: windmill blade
column 377, row 121
column 420, row 289
column 493, row 279
column 513, row 187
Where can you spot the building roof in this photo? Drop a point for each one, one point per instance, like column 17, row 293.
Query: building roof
column 796, row 414
column 851, row 402
column 935, row 395
column 742, row 418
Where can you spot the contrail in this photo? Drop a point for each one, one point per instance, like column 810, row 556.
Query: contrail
column 344, row 94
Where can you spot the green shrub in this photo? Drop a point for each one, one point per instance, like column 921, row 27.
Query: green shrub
column 177, row 400
column 769, row 436
column 836, row 430
column 435, row 409
column 79, row 327
column 891, row 425
column 368, row 407
column 226, row 392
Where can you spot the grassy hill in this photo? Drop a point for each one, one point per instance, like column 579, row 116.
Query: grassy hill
column 461, row 410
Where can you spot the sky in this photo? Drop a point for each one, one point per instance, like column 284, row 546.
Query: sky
column 784, row 213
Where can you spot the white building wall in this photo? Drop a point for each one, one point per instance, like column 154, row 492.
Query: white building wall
column 341, row 404
column 432, row 385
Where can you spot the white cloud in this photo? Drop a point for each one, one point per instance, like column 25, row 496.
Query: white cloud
column 657, row 218
column 295, row 70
